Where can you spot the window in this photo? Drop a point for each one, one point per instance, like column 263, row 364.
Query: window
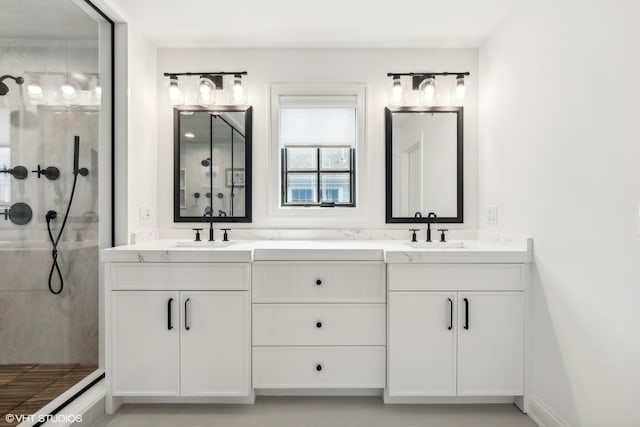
column 317, row 141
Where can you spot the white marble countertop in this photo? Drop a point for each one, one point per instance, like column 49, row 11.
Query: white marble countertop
column 488, row 248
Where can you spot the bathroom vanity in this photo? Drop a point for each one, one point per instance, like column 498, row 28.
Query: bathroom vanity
column 417, row 323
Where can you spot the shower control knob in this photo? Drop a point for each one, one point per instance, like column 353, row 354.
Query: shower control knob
column 51, row 173
column 318, row 282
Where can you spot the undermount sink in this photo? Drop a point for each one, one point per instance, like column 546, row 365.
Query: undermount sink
column 436, row 245
column 204, row 244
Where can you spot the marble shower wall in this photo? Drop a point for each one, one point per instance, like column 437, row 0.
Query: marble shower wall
column 35, row 325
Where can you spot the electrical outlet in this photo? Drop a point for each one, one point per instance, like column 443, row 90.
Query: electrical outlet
column 492, row 215
column 145, row 215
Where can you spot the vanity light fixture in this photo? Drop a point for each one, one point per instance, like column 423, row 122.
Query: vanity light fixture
column 69, row 92
column 34, row 89
column 425, row 84
column 207, row 85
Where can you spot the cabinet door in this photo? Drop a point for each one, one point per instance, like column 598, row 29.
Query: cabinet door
column 215, row 343
column 145, row 344
column 490, row 344
column 422, row 344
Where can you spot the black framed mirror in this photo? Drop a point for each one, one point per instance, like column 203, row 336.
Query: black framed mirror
column 424, row 164
column 212, row 163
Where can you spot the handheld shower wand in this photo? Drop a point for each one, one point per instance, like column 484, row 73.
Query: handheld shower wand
column 51, row 215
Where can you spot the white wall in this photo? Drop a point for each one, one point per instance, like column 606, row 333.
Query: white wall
column 267, row 66
column 142, row 130
column 558, row 155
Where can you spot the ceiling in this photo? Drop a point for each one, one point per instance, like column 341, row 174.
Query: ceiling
column 326, row 23
column 46, row 20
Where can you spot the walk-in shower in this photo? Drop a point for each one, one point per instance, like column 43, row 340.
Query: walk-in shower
column 55, row 195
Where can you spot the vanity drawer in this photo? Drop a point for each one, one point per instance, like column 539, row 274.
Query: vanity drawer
column 319, row 324
column 452, row 277
column 319, row 282
column 319, row 367
column 180, row 276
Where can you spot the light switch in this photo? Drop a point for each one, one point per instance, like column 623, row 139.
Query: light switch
column 492, row 215
column 145, row 215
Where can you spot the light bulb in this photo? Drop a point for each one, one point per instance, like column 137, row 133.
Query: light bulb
column 461, row 88
column 397, row 92
column 238, row 93
column 206, row 91
column 189, row 135
column 174, row 90
column 428, row 89
column 34, row 90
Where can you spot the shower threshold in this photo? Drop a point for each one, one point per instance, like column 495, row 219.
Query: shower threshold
column 27, row 388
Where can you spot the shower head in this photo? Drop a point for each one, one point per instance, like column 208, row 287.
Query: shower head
column 4, row 89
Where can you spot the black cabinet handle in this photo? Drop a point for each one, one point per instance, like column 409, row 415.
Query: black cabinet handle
column 450, row 314
column 318, row 325
column 466, row 313
column 318, row 367
column 169, row 311
column 186, row 314
column 318, row 282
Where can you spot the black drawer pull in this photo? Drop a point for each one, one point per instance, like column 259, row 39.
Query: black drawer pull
column 318, row 325
column 169, row 310
column 318, row 282
column 450, row 314
column 318, row 367
column 466, row 313
column 186, row 314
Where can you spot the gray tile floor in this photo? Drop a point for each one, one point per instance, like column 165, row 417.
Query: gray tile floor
column 317, row 412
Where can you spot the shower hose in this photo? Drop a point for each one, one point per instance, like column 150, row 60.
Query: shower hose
column 54, row 241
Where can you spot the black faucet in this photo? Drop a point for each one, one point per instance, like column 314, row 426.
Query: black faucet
column 431, row 217
column 208, row 212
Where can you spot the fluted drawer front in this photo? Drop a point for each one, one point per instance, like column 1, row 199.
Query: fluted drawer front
column 319, row 367
column 319, row 282
column 319, row 324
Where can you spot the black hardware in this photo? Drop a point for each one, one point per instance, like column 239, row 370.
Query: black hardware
column 431, row 217
column 444, row 73
column 466, row 313
column 169, row 311
column 186, row 314
column 318, row 367
column 443, row 238
column 52, row 173
column 18, row 213
column 318, row 325
column 18, row 172
column 196, row 195
column 225, row 236
column 197, row 230
column 208, row 211
column 414, row 237
column 318, row 282
column 389, row 115
column 4, row 89
column 450, row 314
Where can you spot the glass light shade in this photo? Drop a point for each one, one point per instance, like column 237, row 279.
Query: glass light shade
column 175, row 95
column 238, row 90
column 427, row 90
column 206, row 92
column 397, row 93
column 35, row 92
column 460, row 90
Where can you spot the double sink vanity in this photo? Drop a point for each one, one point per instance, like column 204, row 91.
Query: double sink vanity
column 208, row 322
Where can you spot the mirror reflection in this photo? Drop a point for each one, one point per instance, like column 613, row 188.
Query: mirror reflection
column 424, row 164
column 213, row 152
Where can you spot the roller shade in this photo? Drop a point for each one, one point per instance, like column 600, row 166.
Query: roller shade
column 317, row 120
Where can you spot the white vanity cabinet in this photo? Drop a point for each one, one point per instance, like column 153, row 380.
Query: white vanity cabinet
column 319, row 325
column 456, row 330
column 179, row 329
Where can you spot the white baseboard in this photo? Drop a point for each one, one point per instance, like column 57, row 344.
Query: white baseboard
column 542, row 415
column 250, row 399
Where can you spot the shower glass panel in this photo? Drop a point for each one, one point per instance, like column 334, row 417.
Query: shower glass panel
column 55, row 195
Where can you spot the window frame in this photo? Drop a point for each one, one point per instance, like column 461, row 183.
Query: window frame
column 318, row 172
column 301, row 216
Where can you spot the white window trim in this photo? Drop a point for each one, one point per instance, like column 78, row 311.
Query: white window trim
column 294, row 216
